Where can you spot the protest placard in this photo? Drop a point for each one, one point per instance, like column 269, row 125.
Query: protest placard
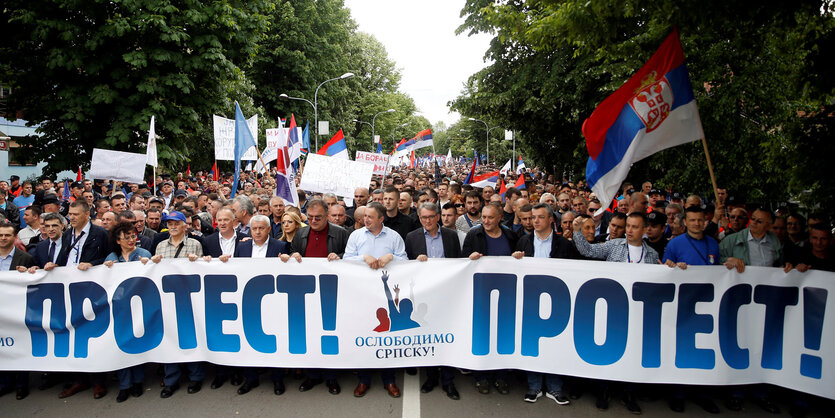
column 380, row 161
column 335, row 175
column 118, row 165
column 224, row 130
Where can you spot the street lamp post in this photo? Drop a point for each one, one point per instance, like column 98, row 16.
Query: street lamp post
column 487, row 128
column 285, row 96
column 316, row 102
column 372, row 125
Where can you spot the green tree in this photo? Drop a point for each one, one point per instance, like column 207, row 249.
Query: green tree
column 758, row 74
column 93, row 73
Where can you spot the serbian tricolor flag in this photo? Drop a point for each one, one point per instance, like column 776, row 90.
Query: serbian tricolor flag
column 470, row 176
column 336, row 147
column 520, row 182
column 285, row 184
column 502, row 188
column 653, row 111
column 215, row 174
column 486, row 179
column 423, row 139
column 520, row 165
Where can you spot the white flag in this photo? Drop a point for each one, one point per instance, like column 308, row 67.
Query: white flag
column 151, row 150
column 505, row 168
column 449, row 157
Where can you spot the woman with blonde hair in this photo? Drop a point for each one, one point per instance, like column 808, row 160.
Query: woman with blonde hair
column 290, row 224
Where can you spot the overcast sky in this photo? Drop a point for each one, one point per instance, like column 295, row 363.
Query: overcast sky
column 419, row 36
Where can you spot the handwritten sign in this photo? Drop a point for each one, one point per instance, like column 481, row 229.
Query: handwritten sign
column 225, row 138
column 335, row 175
column 380, row 161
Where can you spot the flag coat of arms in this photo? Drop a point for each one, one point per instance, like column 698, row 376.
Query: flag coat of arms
column 336, row 147
column 654, row 110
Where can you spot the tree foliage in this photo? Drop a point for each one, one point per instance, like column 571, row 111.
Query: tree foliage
column 93, row 73
column 764, row 91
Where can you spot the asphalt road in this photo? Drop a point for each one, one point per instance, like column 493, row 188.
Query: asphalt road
column 261, row 401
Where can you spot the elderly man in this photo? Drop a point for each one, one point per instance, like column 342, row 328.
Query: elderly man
column 377, row 245
column 752, row 246
column 261, row 246
column 179, row 245
column 142, row 226
column 544, row 243
column 319, row 239
column 244, row 210
column 491, row 238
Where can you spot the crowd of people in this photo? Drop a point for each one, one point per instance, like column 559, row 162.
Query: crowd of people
column 412, row 214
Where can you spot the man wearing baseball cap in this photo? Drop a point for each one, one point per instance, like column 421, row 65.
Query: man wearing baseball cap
column 657, row 223
column 179, row 245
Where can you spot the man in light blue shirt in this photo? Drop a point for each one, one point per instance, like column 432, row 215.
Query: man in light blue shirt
column 375, row 244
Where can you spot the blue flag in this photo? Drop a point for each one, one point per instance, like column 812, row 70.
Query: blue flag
column 243, row 141
column 380, row 147
column 306, row 138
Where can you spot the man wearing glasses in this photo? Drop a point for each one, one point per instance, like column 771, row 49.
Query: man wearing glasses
column 320, row 239
column 752, row 246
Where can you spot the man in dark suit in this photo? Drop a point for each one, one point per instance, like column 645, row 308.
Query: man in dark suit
column 48, row 249
column 493, row 239
column 434, row 241
column 261, row 246
column 83, row 245
column 226, row 239
column 12, row 258
column 545, row 243
column 222, row 244
column 319, row 239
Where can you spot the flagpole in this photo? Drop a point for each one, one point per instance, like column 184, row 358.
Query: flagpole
column 710, row 169
column 155, row 180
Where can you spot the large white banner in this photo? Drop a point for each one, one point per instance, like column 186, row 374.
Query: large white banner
column 335, row 175
column 118, row 165
column 380, row 161
column 224, row 130
column 639, row 323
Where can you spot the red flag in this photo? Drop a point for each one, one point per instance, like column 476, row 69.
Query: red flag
column 215, row 174
column 79, row 176
column 502, row 187
column 520, row 182
column 412, row 160
column 188, row 170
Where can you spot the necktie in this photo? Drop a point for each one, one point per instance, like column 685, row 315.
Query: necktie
column 51, row 254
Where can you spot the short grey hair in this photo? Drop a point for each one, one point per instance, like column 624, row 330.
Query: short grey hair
column 245, row 203
column 260, row 218
column 430, row 206
column 544, row 195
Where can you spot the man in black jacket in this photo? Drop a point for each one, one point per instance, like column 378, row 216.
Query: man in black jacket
column 18, row 260
column 544, row 243
column 319, row 239
column 493, row 239
column 433, row 241
column 83, row 245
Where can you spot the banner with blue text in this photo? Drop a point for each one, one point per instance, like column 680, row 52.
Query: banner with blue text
column 639, row 323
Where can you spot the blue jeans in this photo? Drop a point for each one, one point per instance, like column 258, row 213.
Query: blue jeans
column 553, row 382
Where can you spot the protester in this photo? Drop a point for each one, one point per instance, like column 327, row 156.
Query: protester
column 123, row 238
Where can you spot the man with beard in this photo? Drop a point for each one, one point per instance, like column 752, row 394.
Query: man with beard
column 473, row 202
